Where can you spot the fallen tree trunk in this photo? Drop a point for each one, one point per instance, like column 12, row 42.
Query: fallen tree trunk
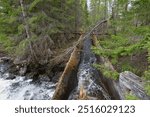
column 68, row 79
column 91, row 31
column 131, row 83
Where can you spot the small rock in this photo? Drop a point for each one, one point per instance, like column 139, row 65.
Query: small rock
column 55, row 79
column 22, row 70
column 44, row 78
column 11, row 77
column 5, row 59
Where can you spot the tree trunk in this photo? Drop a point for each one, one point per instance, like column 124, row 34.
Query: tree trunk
column 114, row 16
column 77, row 15
column 24, row 18
column 26, row 26
column 106, row 10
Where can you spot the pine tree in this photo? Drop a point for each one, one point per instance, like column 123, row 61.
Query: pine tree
column 29, row 22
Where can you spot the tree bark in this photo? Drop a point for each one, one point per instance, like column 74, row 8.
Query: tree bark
column 106, row 10
column 24, row 18
column 26, row 26
column 68, row 79
column 77, row 15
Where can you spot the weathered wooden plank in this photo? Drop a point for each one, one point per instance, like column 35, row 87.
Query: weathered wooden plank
column 129, row 82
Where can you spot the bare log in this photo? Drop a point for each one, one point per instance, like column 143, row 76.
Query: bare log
column 131, row 83
column 24, row 18
column 68, row 79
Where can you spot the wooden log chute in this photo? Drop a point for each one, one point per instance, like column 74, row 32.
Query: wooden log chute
column 68, row 79
column 89, row 79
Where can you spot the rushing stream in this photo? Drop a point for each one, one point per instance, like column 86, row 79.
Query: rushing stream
column 22, row 88
column 88, row 76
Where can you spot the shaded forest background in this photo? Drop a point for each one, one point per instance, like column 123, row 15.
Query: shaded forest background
column 36, row 31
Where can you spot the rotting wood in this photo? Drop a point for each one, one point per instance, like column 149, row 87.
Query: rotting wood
column 131, row 83
column 68, row 79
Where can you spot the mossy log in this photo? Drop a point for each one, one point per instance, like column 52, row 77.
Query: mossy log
column 68, row 79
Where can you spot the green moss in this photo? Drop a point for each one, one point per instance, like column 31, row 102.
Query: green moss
column 131, row 97
column 147, row 80
column 147, row 75
column 147, row 88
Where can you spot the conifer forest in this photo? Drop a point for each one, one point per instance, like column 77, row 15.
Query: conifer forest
column 75, row 49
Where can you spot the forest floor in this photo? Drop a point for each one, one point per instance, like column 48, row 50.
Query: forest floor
column 136, row 63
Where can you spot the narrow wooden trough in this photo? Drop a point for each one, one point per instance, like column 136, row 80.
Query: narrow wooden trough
column 68, row 79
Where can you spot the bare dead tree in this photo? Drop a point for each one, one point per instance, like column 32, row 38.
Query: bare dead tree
column 24, row 18
column 26, row 26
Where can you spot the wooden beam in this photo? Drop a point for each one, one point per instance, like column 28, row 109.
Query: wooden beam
column 68, row 80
